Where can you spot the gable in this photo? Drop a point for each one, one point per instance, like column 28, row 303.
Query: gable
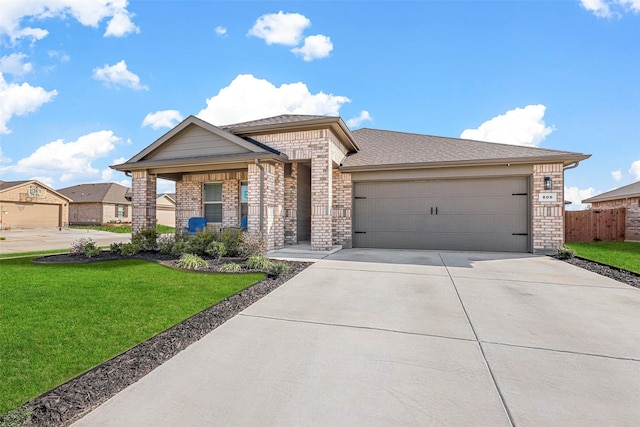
column 195, row 141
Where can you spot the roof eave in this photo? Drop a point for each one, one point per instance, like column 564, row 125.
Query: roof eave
column 198, row 161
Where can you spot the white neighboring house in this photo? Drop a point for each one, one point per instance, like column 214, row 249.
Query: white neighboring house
column 166, row 209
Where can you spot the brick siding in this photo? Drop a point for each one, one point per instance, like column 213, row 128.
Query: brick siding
column 143, row 213
column 548, row 217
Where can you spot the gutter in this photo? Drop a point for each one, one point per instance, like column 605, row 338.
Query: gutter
column 257, row 162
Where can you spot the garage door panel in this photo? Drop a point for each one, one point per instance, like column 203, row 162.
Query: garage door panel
column 482, row 214
column 30, row 215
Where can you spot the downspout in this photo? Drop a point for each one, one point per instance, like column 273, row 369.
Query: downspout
column 571, row 166
column 257, row 162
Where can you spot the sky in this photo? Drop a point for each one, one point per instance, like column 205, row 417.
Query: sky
column 85, row 84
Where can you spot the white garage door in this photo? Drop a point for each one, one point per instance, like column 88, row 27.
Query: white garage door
column 489, row 214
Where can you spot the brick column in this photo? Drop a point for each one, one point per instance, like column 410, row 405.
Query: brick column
column 341, row 209
column 253, row 204
column 230, row 203
column 144, row 201
column 273, row 203
column 291, row 206
column 321, row 196
column 548, row 216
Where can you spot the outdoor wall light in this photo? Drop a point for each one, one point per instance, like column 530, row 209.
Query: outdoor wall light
column 548, row 184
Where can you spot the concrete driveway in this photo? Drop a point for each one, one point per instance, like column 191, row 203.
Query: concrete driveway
column 39, row 239
column 375, row 337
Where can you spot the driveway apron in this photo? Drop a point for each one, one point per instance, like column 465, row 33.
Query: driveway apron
column 380, row 337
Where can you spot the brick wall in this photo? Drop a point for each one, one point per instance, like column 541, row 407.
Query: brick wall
column 547, row 216
column 86, row 213
column 632, row 221
column 321, row 197
column 341, row 209
column 291, row 205
column 144, row 201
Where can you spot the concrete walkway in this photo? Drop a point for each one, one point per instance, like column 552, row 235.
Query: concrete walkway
column 373, row 337
column 40, row 239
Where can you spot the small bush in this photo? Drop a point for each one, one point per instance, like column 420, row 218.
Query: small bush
column 146, row 239
column 201, row 240
column 165, row 243
column 191, row 262
column 78, row 246
column 230, row 267
column 231, row 239
column 278, row 269
column 216, row 249
column 180, row 247
column 90, row 250
column 252, row 244
column 258, row 262
column 565, row 253
column 124, row 249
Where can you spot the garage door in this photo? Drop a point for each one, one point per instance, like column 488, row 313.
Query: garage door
column 464, row 214
column 30, row 215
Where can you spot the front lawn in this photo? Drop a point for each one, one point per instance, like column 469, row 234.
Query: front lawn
column 59, row 320
column 625, row 255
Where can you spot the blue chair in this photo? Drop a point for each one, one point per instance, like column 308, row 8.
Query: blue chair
column 195, row 224
column 243, row 224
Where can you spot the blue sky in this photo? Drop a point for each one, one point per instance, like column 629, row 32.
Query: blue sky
column 87, row 84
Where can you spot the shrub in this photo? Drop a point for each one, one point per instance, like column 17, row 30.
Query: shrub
column 258, row 262
column 278, row 269
column 124, row 249
column 230, row 267
column 90, row 250
column 565, row 253
column 17, row 417
column 78, row 246
column 252, row 244
column 146, row 239
column 216, row 249
column 199, row 242
column 231, row 239
column 165, row 243
column 180, row 247
column 191, row 262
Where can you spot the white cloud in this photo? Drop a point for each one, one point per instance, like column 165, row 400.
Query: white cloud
column 165, row 186
column 162, row 119
column 72, row 160
column 46, row 180
column 87, row 12
column 118, row 75
column 610, row 8
column 280, row 28
column 358, row 120
column 61, row 56
column 14, row 64
column 4, row 159
column 315, row 47
column 576, row 195
column 249, row 98
column 520, row 126
column 18, row 100
column 635, row 170
column 616, row 175
column 220, row 30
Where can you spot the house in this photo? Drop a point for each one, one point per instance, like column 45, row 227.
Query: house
column 166, row 209
column 624, row 197
column 100, row 203
column 310, row 178
column 32, row 204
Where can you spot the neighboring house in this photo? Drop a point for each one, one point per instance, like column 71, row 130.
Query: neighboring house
column 166, row 209
column 309, row 178
column 31, row 204
column 100, row 203
column 624, row 197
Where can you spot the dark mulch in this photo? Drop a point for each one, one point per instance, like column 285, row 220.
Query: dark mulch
column 70, row 401
column 614, row 273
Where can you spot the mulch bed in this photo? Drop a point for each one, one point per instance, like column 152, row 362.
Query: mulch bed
column 70, row 401
column 73, row 399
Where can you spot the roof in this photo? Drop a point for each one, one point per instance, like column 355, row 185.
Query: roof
column 383, row 149
column 6, row 185
column 626, row 192
column 104, row 192
column 296, row 122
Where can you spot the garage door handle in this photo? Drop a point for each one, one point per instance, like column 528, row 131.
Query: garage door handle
column 359, row 197
column 519, row 234
column 360, row 232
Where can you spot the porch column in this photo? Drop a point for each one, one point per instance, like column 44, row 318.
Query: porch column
column 271, row 178
column 321, row 196
column 548, row 216
column 291, row 204
column 143, row 202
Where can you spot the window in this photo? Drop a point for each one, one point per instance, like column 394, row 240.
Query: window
column 213, row 202
column 244, row 203
column 121, row 211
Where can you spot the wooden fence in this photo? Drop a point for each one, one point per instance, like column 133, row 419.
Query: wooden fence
column 595, row 225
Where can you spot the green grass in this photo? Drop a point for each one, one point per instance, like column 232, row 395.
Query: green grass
column 31, row 253
column 625, row 255
column 120, row 228
column 59, row 320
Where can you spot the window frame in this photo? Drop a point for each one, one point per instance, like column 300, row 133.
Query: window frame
column 211, row 202
column 243, row 202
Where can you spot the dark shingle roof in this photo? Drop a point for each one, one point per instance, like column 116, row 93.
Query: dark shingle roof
column 9, row 184
column 387, row 148
column 628, row 191
column 106, row 192
column 276, row 120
